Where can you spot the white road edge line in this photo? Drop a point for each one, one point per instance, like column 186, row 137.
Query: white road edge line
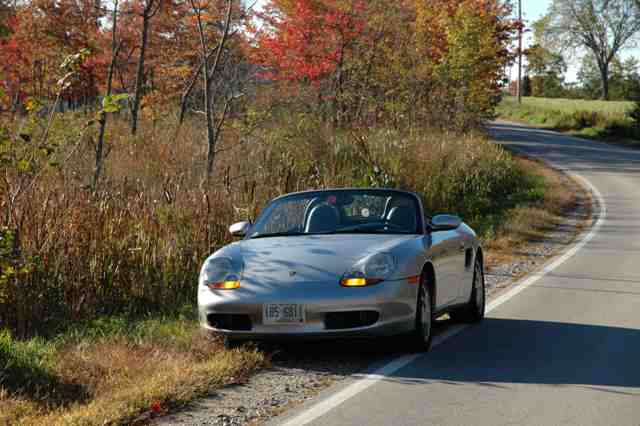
column 328, row 404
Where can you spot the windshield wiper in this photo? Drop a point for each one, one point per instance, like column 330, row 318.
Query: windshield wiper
column 279, row 234
column 359, row 231
column 369, row 231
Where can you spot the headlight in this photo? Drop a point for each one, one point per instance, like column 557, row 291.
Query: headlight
column 219, row 274
column 370, row 270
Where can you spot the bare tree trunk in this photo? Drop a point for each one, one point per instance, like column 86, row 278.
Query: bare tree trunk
column 213, row 133
column 213, row 130
column 187, row 93
column 604, row 76
column 147, row 14
column 115, row 48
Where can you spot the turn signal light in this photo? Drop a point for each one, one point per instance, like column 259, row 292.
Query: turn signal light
column 224, row 285
column 354, row 282
column 358, row 282
column 414, row 280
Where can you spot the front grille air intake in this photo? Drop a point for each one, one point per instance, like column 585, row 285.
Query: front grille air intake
column 350, row 319
column 234, row 322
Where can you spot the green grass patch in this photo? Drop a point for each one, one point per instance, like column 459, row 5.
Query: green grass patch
column 26, row 367
column 606, row 121
column 614, row 108
column 113, row 370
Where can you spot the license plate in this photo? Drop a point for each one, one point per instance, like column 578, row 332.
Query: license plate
column 283, row 313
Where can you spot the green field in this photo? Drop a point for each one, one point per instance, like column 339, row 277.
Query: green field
column 601, row 120
column 569, row 105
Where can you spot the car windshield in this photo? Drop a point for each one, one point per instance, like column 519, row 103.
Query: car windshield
column 340, row 212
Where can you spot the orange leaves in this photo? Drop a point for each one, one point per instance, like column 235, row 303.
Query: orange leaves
column 44, row 32
column 307, row 40
column 434, row 19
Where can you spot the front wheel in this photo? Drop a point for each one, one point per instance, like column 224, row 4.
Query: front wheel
column 475, row 309
column 422, row 334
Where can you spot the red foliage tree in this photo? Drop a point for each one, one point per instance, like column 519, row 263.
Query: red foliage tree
column 42, row 33
column 307, row 40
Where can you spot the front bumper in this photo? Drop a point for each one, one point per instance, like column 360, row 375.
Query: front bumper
column 393, row 301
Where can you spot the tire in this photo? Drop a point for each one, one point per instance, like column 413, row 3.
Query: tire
column 474, row 311
column 422, row 335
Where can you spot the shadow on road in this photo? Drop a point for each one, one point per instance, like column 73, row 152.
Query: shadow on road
column 574, row 154
column 496, row 353
column 341, row 356
column 505, row 351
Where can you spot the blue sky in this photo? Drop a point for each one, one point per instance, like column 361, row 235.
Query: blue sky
column 534, row 9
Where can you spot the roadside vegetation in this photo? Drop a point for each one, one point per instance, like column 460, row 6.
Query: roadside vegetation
column 114, row 371
column 125, row 153
column 609, row 121
column 141, row 354
column 556, row 195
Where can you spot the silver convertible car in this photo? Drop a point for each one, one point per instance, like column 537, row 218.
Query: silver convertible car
column 343, row 263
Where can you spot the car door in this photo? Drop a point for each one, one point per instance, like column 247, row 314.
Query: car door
column 448, row 259
column 464, row 270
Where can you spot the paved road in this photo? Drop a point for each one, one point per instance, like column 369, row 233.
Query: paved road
column 565, row 351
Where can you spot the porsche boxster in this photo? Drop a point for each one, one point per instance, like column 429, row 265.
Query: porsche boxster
column 343, row 263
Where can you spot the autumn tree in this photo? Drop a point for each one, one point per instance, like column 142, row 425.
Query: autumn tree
column 216, row 24
column 310, row 43
column 6, row 13
column 601, row 27
column 467, row 43
column 43, row 31
column 148, row 9
column 399, row 59
column 545, row 66
column 109, row 103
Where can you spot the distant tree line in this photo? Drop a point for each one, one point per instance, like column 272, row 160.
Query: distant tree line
column 593, row 32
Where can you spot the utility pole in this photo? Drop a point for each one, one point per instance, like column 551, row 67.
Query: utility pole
column 520, row 52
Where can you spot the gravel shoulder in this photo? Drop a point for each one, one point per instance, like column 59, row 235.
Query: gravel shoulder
column 299, row 372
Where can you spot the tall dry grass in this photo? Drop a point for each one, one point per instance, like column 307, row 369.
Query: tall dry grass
column 136, row 245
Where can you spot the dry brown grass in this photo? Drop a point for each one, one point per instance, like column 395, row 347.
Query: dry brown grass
column 117, row 379
column 529, row 223
column 136, row 245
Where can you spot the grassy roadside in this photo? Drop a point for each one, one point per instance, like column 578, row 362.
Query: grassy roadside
column 116, row 370
column 532, row 221
column 596, row 120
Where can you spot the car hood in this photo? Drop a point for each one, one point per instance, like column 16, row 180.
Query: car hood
column 312, row 258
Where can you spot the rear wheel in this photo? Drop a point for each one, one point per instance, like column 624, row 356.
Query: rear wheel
column 475, row 308
column 422, row 335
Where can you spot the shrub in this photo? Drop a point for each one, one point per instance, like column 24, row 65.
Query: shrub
column 634, row 114
column 584, row 119
column 24, row 366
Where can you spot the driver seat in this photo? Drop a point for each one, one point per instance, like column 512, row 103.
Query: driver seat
column 403, row 217
column 322, row 218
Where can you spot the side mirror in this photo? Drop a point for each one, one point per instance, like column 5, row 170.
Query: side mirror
column 445, row 222
column 240, row 229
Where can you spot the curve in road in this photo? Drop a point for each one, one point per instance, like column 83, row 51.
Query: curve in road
column 565, row 349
